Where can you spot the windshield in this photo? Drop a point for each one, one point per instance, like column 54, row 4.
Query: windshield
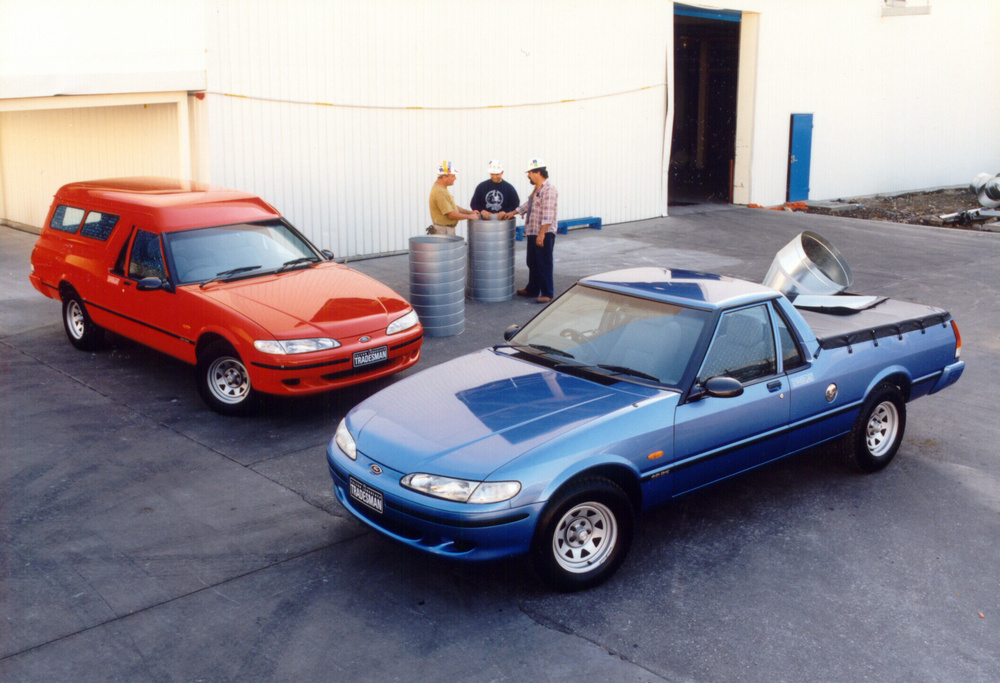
column 617, row 333
column 236, row 250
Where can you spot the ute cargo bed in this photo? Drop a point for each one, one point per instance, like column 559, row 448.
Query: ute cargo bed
column 886, row 318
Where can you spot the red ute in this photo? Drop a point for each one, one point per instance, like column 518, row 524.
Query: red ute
column 217, row 278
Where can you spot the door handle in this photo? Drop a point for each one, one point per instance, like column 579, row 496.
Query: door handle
column 774, row 386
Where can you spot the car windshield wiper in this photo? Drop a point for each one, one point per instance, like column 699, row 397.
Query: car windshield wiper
column 296, row 261
column 622, row 370
column 226, row 274
column 614, row 369
column 537, row 347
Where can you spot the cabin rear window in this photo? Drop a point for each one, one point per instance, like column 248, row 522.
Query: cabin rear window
column 66, row 218
column 98, row 225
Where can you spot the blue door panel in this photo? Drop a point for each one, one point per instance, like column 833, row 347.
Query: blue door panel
column 799, row 157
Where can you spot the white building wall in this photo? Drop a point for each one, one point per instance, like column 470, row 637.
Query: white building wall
column 69, row 47
column 899, row 102
column 339, row 112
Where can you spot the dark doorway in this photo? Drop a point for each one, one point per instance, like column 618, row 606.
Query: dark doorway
column 706, row 64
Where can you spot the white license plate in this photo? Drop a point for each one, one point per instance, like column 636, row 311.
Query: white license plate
column 371, row 356
column 366, row 495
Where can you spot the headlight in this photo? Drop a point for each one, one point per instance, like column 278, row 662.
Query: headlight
column 345, row 441
column 404, row 323
column 460, row 490
column 290, row 346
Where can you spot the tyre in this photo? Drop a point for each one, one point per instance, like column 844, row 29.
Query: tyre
column 83, row 333
column 878, row 430
column 583, row 535
column 223, row 380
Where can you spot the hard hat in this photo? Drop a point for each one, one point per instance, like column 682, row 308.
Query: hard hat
column 446, row 168
column 496, row 166
column 535, row 164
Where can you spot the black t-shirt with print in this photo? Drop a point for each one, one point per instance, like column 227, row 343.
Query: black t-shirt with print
column 495, row 197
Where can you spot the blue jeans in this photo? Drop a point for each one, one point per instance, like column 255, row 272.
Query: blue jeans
column 539, row 261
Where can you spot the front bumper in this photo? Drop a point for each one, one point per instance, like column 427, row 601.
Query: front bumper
column 294, row 376
column 440, row 527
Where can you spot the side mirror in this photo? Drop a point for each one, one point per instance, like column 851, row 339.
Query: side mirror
column 149, row 284
column 509, row 333
column 724, row 387
column 719, row 387
column 328, row 254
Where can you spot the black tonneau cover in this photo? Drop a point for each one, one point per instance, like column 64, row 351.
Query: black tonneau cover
column 887, row 318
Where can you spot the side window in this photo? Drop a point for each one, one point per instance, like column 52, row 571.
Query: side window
column 146, row 258
column 66, row 218
column 743, row 347
column 99, row 225
column 791, row 355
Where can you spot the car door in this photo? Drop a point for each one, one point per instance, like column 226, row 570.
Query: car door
column 151, row 316
column 717, row 437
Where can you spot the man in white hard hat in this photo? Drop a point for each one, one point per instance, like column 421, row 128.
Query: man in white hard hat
column 445, row 213
column 540, row 223
column 494, row 195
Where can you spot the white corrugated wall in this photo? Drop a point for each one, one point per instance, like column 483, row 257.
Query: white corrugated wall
column 339, row 112
column 899, row 102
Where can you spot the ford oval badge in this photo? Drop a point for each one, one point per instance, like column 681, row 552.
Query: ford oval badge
column 376, row 469
column 364, row 339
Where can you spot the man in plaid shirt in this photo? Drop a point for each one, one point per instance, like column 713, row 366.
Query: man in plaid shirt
column 540, row 225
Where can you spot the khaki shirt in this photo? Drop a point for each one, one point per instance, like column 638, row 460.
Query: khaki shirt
column 442, row 203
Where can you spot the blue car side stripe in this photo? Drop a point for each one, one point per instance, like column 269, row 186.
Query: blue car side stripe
column 708, row 455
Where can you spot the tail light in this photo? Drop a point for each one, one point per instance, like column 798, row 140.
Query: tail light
column 958, row 339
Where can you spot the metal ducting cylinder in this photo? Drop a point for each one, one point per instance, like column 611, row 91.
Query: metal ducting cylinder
column 986, row 187
column 491, row 260
column 437, row 283
column 809, row 265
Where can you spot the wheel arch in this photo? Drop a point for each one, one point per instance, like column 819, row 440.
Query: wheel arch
column 617, row 472
column 66, row 289
column 894, row 375
column 207, row 339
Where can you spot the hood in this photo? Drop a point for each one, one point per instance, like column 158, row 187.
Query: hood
column 328, row 299
column 469, row 416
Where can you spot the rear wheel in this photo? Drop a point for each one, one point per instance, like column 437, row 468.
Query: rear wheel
column 223, row 380
column 583, row 535
column 878, row 431
column 81, row 330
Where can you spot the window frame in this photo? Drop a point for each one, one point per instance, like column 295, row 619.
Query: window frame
column 133, row 241
column 766, row 306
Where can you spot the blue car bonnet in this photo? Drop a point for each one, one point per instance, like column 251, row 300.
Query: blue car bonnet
column 469, row 416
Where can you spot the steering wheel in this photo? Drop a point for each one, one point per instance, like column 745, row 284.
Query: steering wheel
column 577, row 337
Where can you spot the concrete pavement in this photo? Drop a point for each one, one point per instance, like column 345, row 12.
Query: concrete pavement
column 147, row 538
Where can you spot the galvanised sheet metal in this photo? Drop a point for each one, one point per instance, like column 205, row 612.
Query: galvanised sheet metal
column 491, row 260
column 437, row 283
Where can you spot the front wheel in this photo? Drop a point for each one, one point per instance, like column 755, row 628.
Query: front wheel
column 223, row 380
column 878, row 431
column 583, row 535
column 81, row 330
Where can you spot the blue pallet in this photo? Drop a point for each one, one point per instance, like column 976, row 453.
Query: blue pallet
column 563, row 226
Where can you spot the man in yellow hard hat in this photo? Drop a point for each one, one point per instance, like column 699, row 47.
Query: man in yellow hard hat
column 445, row 213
